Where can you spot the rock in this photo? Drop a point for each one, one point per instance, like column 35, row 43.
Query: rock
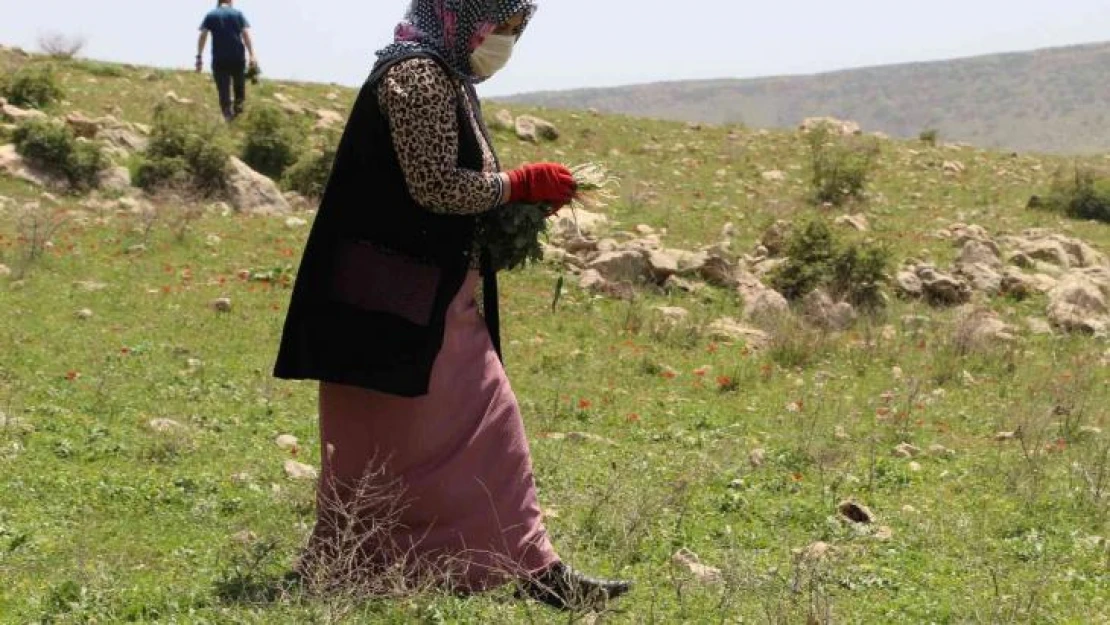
column 857, row 222
column 5, row 271
column 668, row 262
column 1006, row 436
column 719, row 271
column 577, row 223
column 327, row 118
column 673, row 314
column 691, row 562
column 940, row 451
column 295, row 222
column 622, row 266
column 82, row 126
column 774, row 176
column 288, row 442
column 985, row 327
column 222, row 305
column 526, row 130
column 814, row 552
column 16, row 115
column 253, row 193
column 675, row 283
column 176, row 99
column 884, row 533
column 776, row 237
column 1079, row 304
column 981, row 278
column 855, row 512
column 757, row 457
column 820, row 309
column 907, row 283
column 244, row 537
column 116, row 179
column 531, row 128
column 906, row 450
column 123, row 140
column 164, row 426
column 13, row 164
column 299, row 471
column 953, row 167
column 831, row 124
column 977, row 252
column 591, row 280
column 943, row 289
column 729, row 329
column 762, row 303
column 83, row 314
column 503, row 120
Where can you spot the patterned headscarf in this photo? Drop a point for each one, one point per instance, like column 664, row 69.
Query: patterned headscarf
column 451, row 30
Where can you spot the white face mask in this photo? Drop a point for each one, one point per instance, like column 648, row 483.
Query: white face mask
column 492, row 55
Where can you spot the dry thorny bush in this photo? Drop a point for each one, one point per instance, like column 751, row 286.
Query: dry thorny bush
column 36, row 228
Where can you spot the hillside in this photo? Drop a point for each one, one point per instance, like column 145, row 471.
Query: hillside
column 942, row 459
column 1053, row 100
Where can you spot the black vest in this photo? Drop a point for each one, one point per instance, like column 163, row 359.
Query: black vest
column 379, row 271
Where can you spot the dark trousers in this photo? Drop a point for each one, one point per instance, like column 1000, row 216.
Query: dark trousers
column 228, row 76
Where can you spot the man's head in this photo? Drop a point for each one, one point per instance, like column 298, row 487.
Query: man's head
column 220, row 3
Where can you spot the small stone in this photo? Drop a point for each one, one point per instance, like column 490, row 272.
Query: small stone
column 908, row 509
column 814, row 552
column 83, row 314
column 915, row 467
column 1006, row 436
column 288, row 442
column 300, row 471
column 940, row 451
column 855, row 512
column 691, row 562
column 841, row 434
column 757, row 457
column 163, row 426
column 222, row 305
column 884, row 533
column 897, row 373
column 295, row 222
column 5, row 271
column 906, row 450
column 213, row 240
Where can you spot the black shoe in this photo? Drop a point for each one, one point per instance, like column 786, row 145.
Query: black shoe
column 563, row 588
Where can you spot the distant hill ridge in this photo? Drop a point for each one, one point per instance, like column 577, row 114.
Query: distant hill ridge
column 1051, row 100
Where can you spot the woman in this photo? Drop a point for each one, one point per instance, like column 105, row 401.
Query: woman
column 412, row 391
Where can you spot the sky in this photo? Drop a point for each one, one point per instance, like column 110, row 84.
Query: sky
column 584, row 43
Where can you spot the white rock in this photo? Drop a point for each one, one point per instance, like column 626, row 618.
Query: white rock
column 164, row 426
column 83, row 314
column 300, row 471
column 253, row 193
column 858, row 222
column 295, row 222
column 692, row 563
column 288, row 442
column 729, row 329
column 222, row 304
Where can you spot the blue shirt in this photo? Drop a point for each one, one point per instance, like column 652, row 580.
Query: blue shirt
column 226, row 26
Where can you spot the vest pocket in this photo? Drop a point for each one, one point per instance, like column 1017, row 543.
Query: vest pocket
column 375, row 280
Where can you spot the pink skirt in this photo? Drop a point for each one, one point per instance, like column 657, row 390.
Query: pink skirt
column 458, row 459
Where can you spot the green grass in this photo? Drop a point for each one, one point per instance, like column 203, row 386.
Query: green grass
column 103, row 520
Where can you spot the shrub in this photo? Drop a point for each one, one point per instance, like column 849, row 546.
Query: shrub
column 61, row 46
column 841, row 166
column 854, row 272
column 309, row 176
column 272, row 142
column 929, row 136
column 33, row 85
column 54, row 146
column 1083, row 194
column 184, row 150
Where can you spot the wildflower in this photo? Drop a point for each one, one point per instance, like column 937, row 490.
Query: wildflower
column 632, row 418
column 584, row 404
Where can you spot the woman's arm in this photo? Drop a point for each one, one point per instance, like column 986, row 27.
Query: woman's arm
column 421, row 103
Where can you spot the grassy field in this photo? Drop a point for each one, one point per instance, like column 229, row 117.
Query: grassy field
column 740, row 456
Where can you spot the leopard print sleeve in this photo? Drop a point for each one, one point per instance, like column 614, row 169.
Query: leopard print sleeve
column 420, row 100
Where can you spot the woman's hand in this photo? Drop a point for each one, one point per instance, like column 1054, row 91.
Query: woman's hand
column 542, row 183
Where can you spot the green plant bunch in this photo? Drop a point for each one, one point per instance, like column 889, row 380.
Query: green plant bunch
column 309, row 175
column 271, row 141
column 1083, row 194
column 841, row 166
column 184, row 150
column 512, row 234
column 35, row 85
column 854, row 272
column 53, row 145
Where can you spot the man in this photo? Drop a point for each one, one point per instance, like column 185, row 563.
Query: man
column 231, row 42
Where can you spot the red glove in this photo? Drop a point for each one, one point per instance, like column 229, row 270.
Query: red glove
column 546, row 183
